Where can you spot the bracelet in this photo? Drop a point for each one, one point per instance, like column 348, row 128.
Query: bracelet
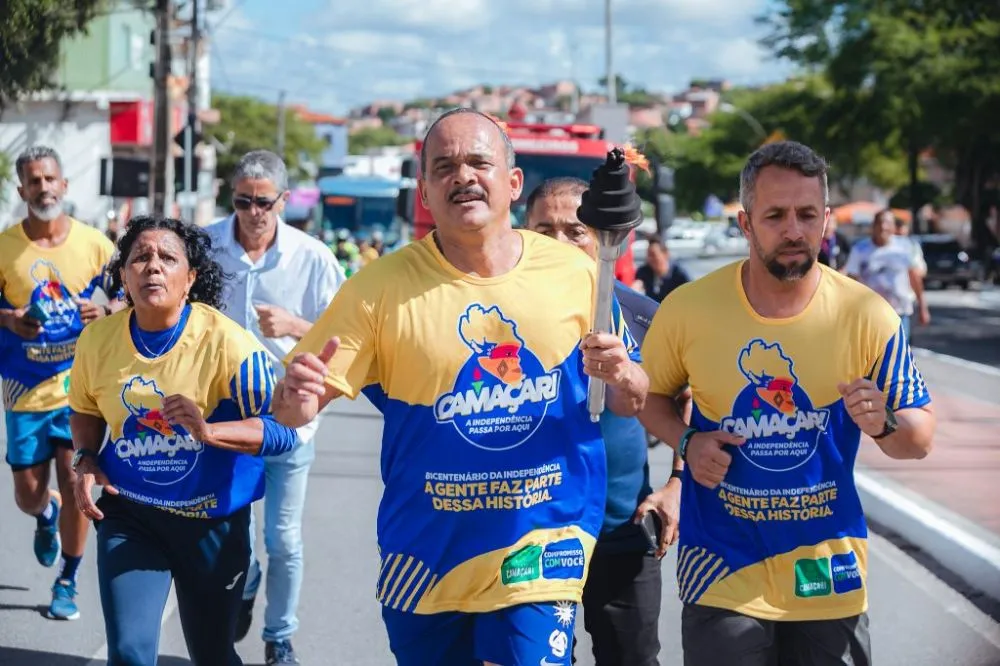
column 682, row 446
column 676, row 474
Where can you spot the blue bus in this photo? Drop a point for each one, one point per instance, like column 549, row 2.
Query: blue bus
column 360, row 205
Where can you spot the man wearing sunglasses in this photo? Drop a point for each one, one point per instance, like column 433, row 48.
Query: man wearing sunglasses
column 272, row 262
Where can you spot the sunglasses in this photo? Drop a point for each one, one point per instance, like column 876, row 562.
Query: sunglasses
column 263, row 203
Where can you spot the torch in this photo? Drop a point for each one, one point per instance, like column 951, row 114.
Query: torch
column 612, row 208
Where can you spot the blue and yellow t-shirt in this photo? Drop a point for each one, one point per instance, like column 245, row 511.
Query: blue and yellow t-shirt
column 783, row 537
column 494, row 473
column 213, row 362
column 36, row 372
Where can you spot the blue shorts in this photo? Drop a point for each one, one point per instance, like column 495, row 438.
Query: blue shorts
column 530, row 634
column 32, row 437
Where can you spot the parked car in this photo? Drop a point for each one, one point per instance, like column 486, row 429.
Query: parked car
column 725, row 241
column 948, row 262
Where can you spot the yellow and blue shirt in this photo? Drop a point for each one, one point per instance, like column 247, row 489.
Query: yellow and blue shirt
column 36, row 372
column 213, row 362
column 494, row 473
column 783, row 537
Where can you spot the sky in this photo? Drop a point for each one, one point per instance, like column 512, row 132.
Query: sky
column 334, row 55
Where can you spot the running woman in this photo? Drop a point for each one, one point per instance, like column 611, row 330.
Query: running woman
column 186, row 395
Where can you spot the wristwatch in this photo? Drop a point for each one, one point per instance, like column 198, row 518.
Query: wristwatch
column 80, row 454
column 891, row 425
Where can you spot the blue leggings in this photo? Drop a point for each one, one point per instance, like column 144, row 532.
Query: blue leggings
column 140, row 550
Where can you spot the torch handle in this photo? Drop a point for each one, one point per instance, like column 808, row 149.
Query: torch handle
column 602, row 323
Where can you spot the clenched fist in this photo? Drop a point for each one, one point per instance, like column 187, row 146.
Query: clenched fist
column 707, row 458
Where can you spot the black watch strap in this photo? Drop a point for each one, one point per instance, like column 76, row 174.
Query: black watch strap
column 676, row 474
column 890, row 424
column 80, row 454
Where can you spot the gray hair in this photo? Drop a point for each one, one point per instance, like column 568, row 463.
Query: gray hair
column 507, row 143
column 34, row 154
column 261, row 165
column 787, row 155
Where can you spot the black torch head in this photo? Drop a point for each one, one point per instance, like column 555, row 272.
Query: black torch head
column 611, row 204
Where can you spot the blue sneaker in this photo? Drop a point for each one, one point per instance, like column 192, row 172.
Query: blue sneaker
column 47, row 542
column 63, row 606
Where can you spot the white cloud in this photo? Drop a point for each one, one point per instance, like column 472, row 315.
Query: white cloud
column 435, row 15
column 358, row 52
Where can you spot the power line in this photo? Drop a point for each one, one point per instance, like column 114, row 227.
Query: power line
column 222, row 65
column 222, row 19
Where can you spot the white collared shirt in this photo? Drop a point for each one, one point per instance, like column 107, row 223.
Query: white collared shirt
column 297, row 273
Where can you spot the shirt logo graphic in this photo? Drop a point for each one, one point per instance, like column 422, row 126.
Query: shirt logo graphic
column 162, row 454
column 558, row 643
column 502, row 392
column 52, row 297
column 772, row 412
column 564, row 611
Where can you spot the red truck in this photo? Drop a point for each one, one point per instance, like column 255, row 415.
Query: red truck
column 543, row 152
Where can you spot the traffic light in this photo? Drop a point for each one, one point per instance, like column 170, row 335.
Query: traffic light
column 129, row 176
column 663, row 201
column 407, row 198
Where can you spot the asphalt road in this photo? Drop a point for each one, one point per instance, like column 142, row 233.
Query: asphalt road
column 917, row 620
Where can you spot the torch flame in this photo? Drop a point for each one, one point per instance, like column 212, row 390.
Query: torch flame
column 635, row 158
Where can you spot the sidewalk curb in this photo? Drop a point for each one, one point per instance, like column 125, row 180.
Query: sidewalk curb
column 962, row 547
column 920, row 352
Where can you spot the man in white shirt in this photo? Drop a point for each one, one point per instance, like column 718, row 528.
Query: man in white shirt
column 888, row 265
column 903, row 231
column 282, row 280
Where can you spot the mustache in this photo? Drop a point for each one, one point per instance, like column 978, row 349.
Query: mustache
column 801, row 246
column 471, row 190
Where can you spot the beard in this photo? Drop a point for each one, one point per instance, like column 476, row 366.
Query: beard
column 783, row 271
column 46, row 213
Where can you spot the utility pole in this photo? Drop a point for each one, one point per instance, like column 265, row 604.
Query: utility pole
column 161, row 168
column 281, row 125
column 609, row 56
column 190, row 182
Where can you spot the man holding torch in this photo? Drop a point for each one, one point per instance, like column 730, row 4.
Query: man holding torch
column 494, row 472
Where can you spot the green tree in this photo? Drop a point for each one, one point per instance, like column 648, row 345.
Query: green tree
column 420, row 103
column 374, row 137
column 31, row 32
column 386, row 113
column 807, row 110
column 6, row 174
column 247, row 123
column 630, row 94
column 924, row 73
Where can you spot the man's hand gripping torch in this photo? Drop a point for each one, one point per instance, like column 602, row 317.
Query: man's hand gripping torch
column 613, row 209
